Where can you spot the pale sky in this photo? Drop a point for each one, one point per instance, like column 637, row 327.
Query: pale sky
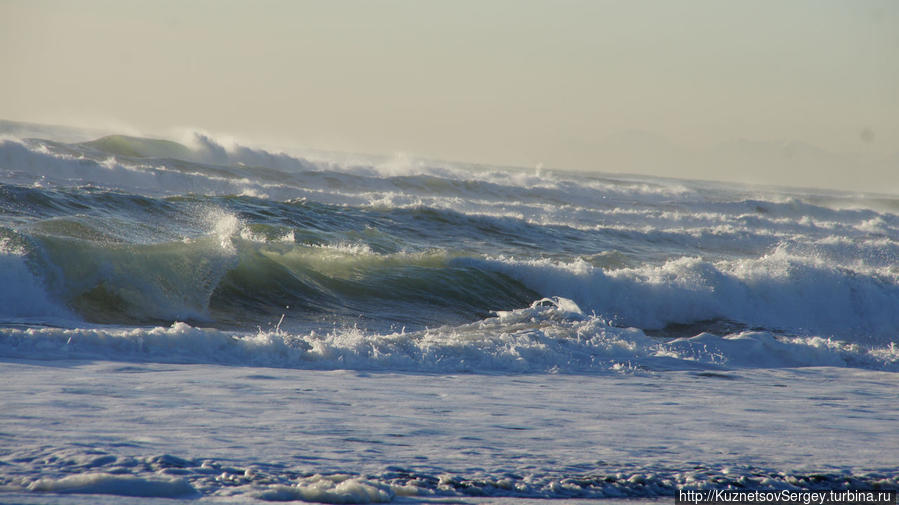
column 567, row 84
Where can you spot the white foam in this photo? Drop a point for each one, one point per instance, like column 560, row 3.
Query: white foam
column 225, row 226
column 330, row 489
column 802, row 294
column 121, row 485
column 553, row 335
column 227, row 151
column 39, row 165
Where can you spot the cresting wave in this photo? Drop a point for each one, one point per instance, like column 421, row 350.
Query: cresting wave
column 132, row 248
column 780, row 291
column 235, row 277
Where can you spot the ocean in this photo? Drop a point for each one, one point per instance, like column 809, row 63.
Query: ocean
column 216, row 322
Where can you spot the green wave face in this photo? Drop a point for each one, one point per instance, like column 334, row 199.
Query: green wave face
column 240, row 283
column 139, row 147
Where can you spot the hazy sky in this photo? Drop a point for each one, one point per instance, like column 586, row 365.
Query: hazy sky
column 509, row 81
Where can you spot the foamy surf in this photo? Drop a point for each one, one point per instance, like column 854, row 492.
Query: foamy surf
column 552, row 336
column 242, row 434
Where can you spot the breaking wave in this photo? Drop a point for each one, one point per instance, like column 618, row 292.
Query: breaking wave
column 157, row 248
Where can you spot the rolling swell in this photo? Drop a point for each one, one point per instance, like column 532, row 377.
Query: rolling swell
column 131, row 231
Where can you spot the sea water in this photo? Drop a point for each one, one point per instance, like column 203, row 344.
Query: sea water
column 223, row 323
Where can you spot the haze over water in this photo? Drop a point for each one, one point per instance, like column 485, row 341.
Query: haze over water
column 801, row 94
